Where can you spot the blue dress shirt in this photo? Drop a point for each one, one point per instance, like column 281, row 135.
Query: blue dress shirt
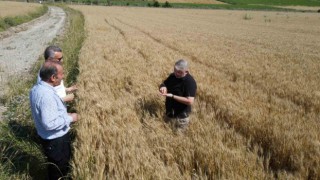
column 48, row 111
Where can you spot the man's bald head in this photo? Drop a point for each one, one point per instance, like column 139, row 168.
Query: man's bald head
column 49, row 69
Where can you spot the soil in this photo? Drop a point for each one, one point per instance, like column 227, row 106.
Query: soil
column 21, row 46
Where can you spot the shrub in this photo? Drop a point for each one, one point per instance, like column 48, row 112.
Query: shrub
column 10, row 21
column 95, row 2
column 166, row 5
column 156, row 4
column 3, row 25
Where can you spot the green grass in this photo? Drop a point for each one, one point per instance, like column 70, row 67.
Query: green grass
column 276, row 2
column 139, row 3
column 130, row 3
column 263, row 5
column 7, row 22
column 229, row 7
column 20, row 153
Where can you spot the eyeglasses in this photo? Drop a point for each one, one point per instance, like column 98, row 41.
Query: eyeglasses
column 59, row 59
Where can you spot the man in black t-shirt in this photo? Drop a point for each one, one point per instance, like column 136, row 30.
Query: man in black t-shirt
column 180, row 90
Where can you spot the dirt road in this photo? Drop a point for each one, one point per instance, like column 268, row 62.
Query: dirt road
column 21, row 46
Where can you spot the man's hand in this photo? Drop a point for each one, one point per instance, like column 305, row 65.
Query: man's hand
column 68, row 97
column 163, row 90
column 74, row 116
column 72, row 88
column 169, row 95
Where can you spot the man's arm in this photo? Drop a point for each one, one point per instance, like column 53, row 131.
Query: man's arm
column 68, row 98
column 72, row 88
column 184, row 100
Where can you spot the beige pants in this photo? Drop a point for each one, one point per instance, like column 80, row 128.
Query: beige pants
column 178, row 124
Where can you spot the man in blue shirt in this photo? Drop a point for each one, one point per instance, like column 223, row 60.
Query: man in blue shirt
column 52, row 120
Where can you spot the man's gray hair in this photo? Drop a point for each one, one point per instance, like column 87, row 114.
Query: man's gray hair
column 181, row 65
column 50, row 51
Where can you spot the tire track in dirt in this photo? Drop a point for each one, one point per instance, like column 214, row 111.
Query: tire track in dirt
column 20, row 50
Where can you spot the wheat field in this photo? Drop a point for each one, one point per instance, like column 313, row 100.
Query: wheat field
column 10, row 8
column 256, row 114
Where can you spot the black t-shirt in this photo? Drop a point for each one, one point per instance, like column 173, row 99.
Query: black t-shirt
column 185, row 87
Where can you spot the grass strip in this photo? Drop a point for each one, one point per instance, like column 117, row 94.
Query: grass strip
column 275, row 2
column 7, row 22
column 229, row 7
column 20, row 153
column 156, row 4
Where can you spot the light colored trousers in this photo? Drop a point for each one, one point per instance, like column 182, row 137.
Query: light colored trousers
column 179, row 124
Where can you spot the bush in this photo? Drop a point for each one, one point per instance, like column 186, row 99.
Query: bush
column 166, row 5
column 95, row 2
column 3, row 25
column 156, row 4
column 10, row 21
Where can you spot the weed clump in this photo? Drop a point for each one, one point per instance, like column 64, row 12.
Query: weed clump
column 155, row 4
column 247, row 17
column 166, row 5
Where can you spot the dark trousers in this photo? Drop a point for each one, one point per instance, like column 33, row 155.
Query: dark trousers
column 58, row 152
